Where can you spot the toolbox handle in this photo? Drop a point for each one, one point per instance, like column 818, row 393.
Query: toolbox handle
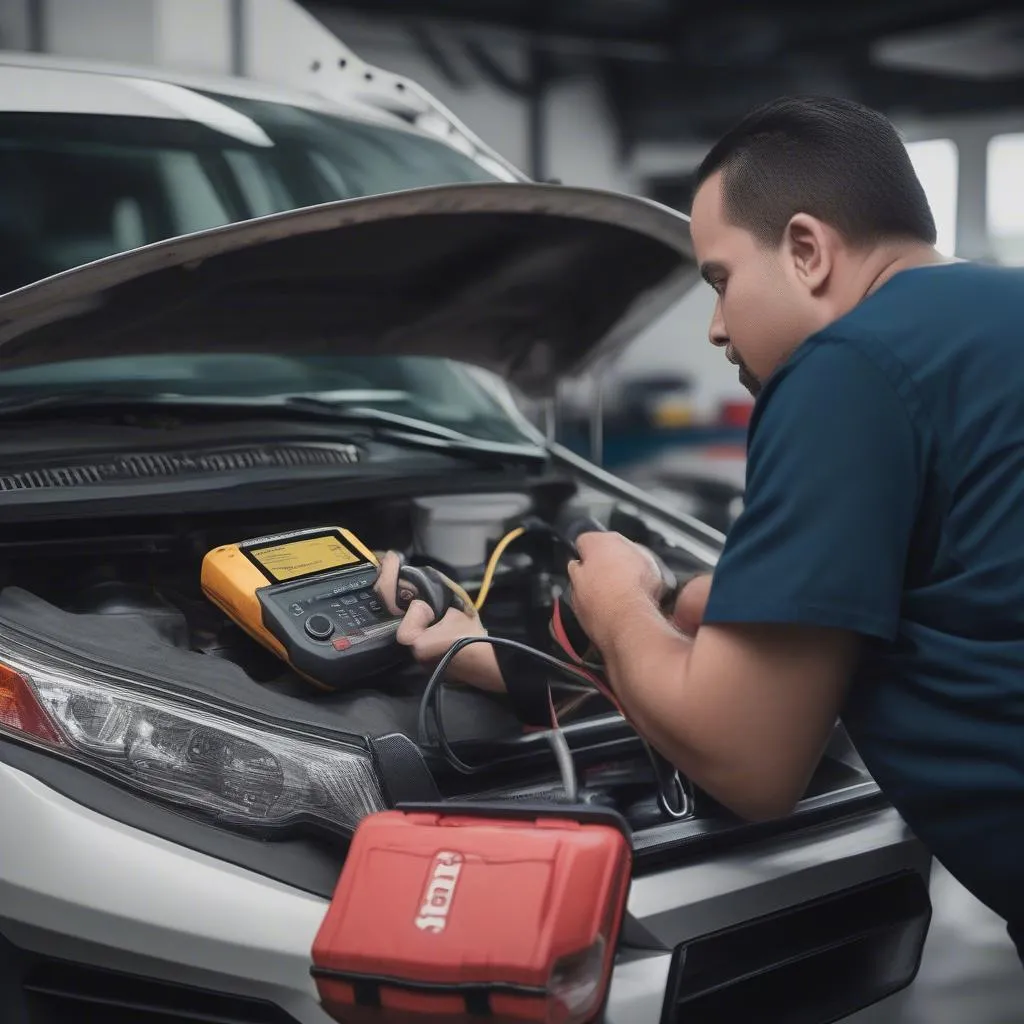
column 524, row 810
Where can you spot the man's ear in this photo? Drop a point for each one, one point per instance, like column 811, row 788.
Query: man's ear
column 808, row 245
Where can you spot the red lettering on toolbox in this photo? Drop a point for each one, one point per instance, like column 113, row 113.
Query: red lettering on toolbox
column 438, row 893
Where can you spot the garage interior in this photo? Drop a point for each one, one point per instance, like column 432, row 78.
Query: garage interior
column 628, row 95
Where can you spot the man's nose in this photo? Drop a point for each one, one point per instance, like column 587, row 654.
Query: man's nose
column 717, row 334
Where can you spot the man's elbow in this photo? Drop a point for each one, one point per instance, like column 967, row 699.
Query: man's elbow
column 757, row 801
column 763, row 808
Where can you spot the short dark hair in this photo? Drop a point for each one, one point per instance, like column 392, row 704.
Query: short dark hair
column 834, row 159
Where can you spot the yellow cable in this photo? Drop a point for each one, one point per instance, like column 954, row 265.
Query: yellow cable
column 458, row 591
column 492, row 564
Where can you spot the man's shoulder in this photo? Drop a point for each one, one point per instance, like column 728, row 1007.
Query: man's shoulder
column 836, row 363
column 944, row 300
column 920, row 327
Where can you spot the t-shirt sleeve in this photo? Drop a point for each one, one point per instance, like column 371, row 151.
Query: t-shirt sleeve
column 833, row 484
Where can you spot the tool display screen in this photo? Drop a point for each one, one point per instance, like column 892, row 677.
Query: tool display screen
column 304, row 556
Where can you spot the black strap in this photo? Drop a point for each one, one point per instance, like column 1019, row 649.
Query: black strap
column 478, row 1001
column 366, row 993
column 402, row 771
column 526, row 684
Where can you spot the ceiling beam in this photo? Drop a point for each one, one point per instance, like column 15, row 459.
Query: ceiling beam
column 609, row 43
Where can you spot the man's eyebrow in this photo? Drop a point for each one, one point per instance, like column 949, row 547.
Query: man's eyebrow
column 709, row 271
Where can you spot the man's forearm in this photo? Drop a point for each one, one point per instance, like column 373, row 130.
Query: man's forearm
column 647, row 661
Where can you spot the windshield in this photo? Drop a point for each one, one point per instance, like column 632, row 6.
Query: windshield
column 78, row 187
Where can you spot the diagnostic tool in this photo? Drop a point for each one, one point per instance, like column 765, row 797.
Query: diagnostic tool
column 309, row 597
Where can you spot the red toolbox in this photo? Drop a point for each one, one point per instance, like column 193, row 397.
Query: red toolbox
column 456, row 913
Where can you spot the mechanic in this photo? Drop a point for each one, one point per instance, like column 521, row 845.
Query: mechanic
column 877, row 570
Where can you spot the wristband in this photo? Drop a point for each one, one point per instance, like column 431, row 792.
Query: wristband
column 526, row 685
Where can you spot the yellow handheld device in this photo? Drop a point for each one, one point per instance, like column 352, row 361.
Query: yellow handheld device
column 309, row 597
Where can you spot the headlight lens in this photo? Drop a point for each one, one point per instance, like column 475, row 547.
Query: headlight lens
column 234, row 772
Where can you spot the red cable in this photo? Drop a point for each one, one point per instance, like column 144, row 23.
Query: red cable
column 562, row 639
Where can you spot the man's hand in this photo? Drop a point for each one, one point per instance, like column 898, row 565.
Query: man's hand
column 612, row 573
column 476, row 665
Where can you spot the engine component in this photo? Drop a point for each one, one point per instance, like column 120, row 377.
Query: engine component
column 457, row 529
column 111, row 596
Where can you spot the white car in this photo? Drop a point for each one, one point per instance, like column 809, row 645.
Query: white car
column 296, row 313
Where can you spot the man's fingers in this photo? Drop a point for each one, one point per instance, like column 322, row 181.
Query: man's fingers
column 430, row 644
column 418, row 619
column 386, row 585
column 585, row 542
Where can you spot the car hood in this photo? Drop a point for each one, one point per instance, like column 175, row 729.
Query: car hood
column 530, row 281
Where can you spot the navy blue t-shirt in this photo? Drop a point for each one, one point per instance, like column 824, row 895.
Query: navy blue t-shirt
column 885, row 495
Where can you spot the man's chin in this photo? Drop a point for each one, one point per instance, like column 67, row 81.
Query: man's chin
column 749, row 381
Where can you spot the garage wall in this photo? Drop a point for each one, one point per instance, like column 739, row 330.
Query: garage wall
column 100, row 29
column 193, row 35
column 16, row 29
column 579, row 138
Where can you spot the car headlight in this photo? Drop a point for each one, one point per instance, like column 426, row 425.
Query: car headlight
column 237, row 772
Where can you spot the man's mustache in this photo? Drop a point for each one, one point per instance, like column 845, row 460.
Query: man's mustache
column 747, row 379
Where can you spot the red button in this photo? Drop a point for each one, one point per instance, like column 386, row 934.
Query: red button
column 341, row 643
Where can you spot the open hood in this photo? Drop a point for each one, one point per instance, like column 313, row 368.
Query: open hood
column 530, row 281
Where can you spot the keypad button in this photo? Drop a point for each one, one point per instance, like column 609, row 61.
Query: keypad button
column 319, row 627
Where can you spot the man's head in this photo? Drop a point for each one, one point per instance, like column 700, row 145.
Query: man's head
column 799, row 211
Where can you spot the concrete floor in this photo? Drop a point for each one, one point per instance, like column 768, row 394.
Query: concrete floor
column 970, row 973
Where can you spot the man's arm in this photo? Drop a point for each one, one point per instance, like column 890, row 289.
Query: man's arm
column 814, row 563
column 744, row 711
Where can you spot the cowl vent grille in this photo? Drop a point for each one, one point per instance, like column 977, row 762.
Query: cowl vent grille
column 164, row 465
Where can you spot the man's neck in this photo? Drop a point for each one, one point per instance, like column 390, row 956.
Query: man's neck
column 884, row 263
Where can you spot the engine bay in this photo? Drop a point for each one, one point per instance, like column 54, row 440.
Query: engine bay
column 131, row 599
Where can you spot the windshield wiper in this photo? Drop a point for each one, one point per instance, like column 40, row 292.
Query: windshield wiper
column 391, row 426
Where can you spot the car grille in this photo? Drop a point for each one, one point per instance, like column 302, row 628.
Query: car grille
column 40, row 990
column 164, row 465
column 810, row 964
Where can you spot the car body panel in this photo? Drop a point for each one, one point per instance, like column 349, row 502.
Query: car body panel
column 132, row 902
column 41, row 82
column 532, row 282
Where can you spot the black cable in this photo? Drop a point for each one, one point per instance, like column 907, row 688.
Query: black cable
column 674, row 794
column 429, row 701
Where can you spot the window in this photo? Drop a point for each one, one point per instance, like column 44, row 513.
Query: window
column 1005, row 198
column 78, row 187
column 936, row 162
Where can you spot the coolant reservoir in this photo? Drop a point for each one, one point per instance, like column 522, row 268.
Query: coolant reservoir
column 456, row 528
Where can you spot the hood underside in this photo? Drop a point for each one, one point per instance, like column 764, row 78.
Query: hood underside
column 533, row 282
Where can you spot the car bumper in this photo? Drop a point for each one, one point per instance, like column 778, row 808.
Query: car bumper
column 82, row 895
